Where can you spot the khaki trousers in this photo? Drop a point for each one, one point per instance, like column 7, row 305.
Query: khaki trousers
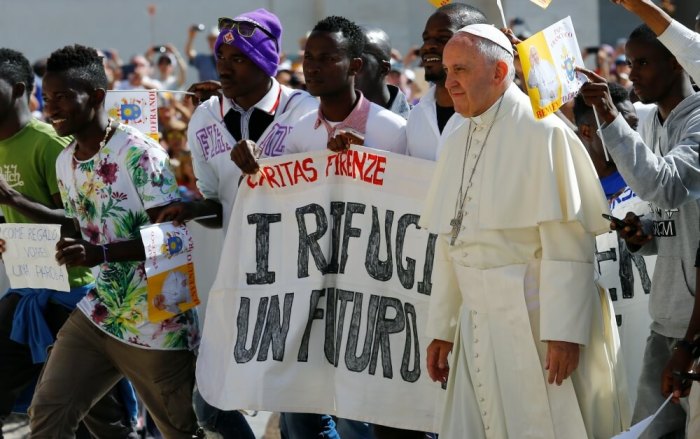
column 86, row 362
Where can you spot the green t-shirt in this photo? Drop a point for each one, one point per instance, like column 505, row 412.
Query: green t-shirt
column 28, row 164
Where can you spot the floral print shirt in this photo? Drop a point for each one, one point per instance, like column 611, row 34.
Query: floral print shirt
column 109, row 194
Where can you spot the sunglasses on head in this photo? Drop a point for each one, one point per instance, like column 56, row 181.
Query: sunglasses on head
column 246, row 29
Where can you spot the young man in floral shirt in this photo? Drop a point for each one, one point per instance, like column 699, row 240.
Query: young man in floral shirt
column 112, row 180
column 31, row 317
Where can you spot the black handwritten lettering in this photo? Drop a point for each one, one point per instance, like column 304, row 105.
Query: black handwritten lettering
column 315, row 313
column 425, row 286
column 352, row 361
column 385, row 327
column 377, row 269
column 349, row 231
column 262, row 275
column 410, row 375
column 275, row 334
column 343, row 297
column 329, row 339
column 240, row 353
column 309, row 242
column 406, row 274
column 337, row 212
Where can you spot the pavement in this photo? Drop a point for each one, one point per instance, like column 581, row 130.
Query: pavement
column 16, row 427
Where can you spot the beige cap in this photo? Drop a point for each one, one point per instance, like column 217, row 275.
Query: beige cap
column 489, row 32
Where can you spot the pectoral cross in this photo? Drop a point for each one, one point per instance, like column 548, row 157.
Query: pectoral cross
column 456, row 224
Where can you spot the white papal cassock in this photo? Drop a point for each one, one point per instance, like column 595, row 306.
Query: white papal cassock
column 522, row 274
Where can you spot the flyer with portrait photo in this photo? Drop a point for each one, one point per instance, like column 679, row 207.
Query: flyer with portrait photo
column 548, row 60
column 169, row 270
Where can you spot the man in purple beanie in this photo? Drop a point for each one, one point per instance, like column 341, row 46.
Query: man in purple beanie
column 254, row 107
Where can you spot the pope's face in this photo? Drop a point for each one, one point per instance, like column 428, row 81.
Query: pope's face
column 470, row 78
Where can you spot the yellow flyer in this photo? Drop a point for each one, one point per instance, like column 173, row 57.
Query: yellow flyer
column 548, row 60
column 542, row 3
column 438, row 3
column 169, row 270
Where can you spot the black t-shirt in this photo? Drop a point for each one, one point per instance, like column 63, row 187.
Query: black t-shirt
column 443, row 115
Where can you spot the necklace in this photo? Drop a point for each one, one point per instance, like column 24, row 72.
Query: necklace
column 91, row 180
column 462, row 195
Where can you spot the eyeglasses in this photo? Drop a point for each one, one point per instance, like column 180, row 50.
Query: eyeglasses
column 246, row 29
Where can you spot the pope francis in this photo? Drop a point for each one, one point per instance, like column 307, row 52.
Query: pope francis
column 517, row 203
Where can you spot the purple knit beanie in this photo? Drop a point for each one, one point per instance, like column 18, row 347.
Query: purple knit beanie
column 259, row 48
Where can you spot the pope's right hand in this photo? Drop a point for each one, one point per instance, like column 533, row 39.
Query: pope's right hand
column 438, row 368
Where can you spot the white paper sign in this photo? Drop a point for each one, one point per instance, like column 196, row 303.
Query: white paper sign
column 30, row 256
column 637, row 429
column 321, row 298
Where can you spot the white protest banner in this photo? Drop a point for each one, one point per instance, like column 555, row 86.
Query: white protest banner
column 321, row 298
column 138, row 108
column 30, row 256
column 169, row 270
column 548, row 59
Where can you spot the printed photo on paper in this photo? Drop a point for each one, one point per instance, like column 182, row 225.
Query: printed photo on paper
column 169, row 270
column 549, row 59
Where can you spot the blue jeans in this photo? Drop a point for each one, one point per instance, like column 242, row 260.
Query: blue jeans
column 229, row 424
column 307, row 426
column 671, row 421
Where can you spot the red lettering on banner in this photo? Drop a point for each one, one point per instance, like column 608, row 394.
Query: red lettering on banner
column 310, row 170
column 299, row 172
column 366, row 166
column 381, row 167
column 269, row 173
column 284, row 174
column 285, row 165
column 252, row 184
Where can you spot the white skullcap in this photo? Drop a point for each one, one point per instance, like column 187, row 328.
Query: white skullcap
column 489, row 32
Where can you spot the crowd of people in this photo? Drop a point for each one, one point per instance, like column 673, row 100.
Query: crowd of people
column 516, row 202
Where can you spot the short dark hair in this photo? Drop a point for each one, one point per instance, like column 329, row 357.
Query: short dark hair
column 618, row 94
column 349, row 29
column 645, row 34
column 15, row 67
column 462, row 14
column 83, row 64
